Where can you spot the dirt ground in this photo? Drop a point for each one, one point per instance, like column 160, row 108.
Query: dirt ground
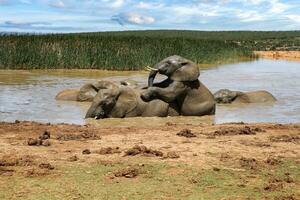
column 286, row 55
column 228, row 161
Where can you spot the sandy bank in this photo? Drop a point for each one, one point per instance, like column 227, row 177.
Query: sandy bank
column 286, row 55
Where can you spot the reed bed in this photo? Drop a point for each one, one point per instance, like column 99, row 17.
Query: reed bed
column 132, row 50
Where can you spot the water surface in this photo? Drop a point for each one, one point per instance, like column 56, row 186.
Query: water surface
column 30, row 95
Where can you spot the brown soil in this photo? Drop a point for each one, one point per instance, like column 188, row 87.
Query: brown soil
column 186, row 133
column 172, row 155
column 143, row 150
column 250, row 163
column 36, row 172
column 287, row 55
column 86, row 151
column 81, row 136
column 246, row 146
column 242, row 130
column 46, row 166
column 108, row 150
column 128, row 172
column 285, row 138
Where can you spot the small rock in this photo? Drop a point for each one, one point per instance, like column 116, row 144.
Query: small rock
column 128, row 172
column 32, row 142
column 17, row 121
column 73, row 158
column 45, row 135
column 186, row 133
column 86, row 151
column 46, row 143
column 108, row 150
column 172, row 155
column 46, row 166
column 216, row 169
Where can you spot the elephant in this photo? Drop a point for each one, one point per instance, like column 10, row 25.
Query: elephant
column 226, row 96
column 87, row 92
column 124, row 102
column 181, row 87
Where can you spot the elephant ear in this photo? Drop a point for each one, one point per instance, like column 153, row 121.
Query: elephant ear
column 188, row 71
column 126, row 102
column 89, row 91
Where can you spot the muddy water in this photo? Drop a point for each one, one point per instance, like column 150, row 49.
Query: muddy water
column 29, row 95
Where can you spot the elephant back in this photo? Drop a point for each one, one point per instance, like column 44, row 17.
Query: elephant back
column 261, row 96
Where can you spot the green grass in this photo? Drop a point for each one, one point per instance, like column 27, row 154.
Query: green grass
column 133, row 50
column 157, row 180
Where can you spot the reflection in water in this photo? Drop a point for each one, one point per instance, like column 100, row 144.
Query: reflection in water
column 29, row 95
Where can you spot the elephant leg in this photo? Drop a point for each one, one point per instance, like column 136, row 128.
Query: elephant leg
column 173, row 110
column 168, row 94
column 199, row 109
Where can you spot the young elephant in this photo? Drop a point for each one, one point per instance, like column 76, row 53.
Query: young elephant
column 86, row 93
column 226, row 96
column 126, row 102
column 181, row 87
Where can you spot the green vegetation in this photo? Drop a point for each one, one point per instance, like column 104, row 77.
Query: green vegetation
column 155, row 180
column 133, row 50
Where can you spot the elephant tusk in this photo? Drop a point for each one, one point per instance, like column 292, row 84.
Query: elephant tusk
column 151, row 68
column 147, row 69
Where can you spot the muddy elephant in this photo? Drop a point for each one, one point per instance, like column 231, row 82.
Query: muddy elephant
column 87, row 92
column 124, row 102
column 226, row 96
column 181, row 87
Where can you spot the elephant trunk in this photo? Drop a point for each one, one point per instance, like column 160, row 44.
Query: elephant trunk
column 151, row 77
column 90, row 113
column 96, row 113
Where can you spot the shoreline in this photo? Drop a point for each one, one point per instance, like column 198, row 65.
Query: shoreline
column 276, row 55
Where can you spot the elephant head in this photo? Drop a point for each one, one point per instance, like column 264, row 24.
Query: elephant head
column 103, row 103
column 89, row 91
column 113, row 102
column 175, row 68
column 86, row 93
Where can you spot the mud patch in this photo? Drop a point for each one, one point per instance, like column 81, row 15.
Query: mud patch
column 108, row 150
column 285, row 138
column 136, row 150
column 171, row 155
column 225, row 157
column 82, row 136
column 290, row 197
column 36, row 172
column 73, row 158
column 230, row 131
column 249, row 163
column 38, row 142
column 128, row 172
column 254, row 143
column 13, row 160
column 186, row 133
column 273, row 161
column 46, row 166
column 86, row 152
column 5, row 171
column 41, row 140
